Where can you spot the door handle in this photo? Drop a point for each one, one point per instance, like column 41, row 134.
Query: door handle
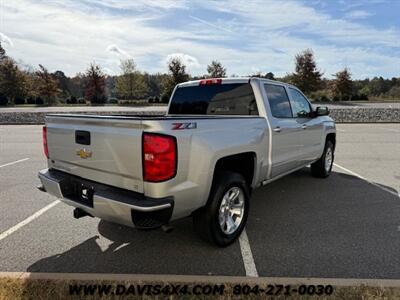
column 277, row 129
column 304, row 126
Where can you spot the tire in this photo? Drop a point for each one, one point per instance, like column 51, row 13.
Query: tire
column 322, row 168
column 207, row 220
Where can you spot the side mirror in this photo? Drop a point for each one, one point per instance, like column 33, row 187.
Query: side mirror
column 322, row 111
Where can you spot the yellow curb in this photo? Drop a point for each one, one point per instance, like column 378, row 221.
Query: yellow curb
column 202, row 279
column 14, row 275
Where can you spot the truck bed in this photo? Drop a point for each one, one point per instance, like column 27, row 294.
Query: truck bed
column 113, row 155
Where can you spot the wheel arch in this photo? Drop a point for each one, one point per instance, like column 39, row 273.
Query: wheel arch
column 331, row 137
column 243, row 163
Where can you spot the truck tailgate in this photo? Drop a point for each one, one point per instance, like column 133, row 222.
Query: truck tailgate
column 102, row 149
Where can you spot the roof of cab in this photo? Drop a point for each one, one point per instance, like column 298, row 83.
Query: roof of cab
column 233, row 80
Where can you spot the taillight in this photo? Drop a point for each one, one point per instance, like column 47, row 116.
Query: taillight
column 159, row 157
column 45, row 148
column 210, row 81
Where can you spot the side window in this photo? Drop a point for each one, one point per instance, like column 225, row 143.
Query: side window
column 278, row 101
column 301, row 107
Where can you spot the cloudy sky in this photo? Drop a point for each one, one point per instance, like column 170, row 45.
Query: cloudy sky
column 246, row 36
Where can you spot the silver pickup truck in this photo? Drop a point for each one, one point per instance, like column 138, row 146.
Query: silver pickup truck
column 220, row 139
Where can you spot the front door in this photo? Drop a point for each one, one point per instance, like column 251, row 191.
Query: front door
column 311, row 135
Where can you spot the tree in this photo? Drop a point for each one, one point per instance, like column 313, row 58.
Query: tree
column 216, row 70
column 77, row 85
column 2, row 53
column 270, row 76
column 111, row 91
column 95, row 84
column 63, row 84
column 394, row 92
column 177, row 74
column 13, row 82
column 131, row 84
column 378, row 86
column 342, row 86
column 3, row 97
column 47, row 86
column 306, row 76
column 155, row 83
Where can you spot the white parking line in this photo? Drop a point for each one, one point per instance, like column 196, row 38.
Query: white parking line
column 369, row 181
column 28, row 220
column 247, row 255
column 14, row 162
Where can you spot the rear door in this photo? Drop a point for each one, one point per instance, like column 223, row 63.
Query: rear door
column 285, row 130
column 310, row 137
column 103, row 149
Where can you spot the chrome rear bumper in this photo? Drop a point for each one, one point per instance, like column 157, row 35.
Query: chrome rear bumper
column 107, row 202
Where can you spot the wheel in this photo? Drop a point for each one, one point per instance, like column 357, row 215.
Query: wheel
column 223, row 218
column 322, row 168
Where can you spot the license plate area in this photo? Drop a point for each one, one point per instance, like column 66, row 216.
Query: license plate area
column 86, row 195
column 79, row 192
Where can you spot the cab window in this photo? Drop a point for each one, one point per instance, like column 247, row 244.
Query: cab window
column 300, row 105
column 278, row 101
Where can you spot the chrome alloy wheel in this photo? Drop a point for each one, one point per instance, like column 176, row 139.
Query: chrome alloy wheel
column 328, row 159
column 231, row 211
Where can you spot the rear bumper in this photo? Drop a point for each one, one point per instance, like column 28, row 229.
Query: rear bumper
column 107, row 202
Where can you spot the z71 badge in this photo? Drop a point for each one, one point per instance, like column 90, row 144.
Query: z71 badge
column 180, row 126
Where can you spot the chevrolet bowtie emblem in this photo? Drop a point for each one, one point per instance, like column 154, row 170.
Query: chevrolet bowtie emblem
column 84, row 153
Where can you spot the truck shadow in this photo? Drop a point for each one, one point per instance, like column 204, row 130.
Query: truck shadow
column 120, row 249
column 298, row 226
column 340, row 227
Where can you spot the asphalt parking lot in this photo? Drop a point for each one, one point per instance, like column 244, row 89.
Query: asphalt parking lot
column 299, row 226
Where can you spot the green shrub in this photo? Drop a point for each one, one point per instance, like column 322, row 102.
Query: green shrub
column 31, row 100
column 345, row 98
column 39, row 101
column 71, row 100
column 3, row 100
column 113, row 100
column 19, row 100
column 359, row 97
column 164, row 98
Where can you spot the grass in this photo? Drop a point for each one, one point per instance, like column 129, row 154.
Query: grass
column 59, row 289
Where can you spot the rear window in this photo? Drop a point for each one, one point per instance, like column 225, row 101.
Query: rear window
column 219, row 99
